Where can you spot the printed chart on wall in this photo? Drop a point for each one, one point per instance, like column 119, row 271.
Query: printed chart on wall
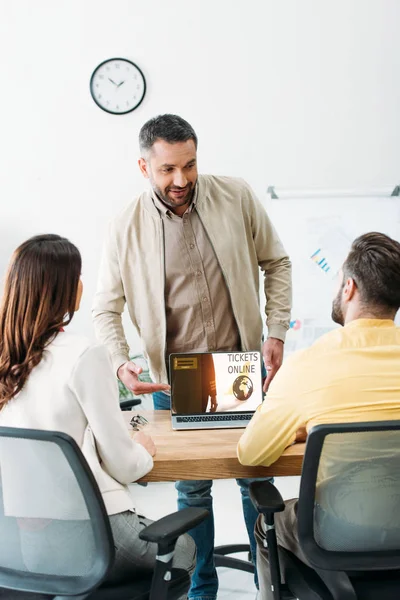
column 317, row 233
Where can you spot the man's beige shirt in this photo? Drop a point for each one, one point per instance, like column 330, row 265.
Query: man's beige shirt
column 132, row 270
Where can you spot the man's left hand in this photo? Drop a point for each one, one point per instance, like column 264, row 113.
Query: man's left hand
column 301, row 434
column 273, row 357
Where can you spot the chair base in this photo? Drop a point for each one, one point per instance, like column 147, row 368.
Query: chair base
column 140, row 590
column 222, row 560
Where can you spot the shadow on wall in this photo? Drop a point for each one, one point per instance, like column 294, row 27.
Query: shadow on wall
column 10, row 239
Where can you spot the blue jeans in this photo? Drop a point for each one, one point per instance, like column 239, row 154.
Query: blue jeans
column 198, row 493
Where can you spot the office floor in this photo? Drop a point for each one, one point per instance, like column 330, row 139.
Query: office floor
column 159, row 499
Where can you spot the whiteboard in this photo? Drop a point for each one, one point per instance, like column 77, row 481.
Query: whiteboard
column 317, row 234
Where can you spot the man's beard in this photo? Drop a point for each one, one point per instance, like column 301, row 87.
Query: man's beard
column 337, row 310
column 163, row 195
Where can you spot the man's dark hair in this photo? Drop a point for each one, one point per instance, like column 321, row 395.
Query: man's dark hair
column 170, row 128
column 374, row 264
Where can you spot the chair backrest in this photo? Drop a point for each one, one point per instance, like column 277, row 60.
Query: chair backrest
column 54, row 530
column 349, row 502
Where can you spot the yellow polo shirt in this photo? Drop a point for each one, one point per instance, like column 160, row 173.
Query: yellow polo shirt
column 351, row 374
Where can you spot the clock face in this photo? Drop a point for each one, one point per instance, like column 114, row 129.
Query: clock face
column 117, row 86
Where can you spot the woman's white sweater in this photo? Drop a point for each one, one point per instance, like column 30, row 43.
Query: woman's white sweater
column 74, row 390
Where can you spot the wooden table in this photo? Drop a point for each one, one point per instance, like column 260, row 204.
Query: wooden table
column 205, row 454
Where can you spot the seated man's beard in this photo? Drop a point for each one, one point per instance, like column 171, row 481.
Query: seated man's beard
column 337, row 312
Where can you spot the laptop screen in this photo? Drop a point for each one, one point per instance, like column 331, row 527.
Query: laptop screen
column 219, row 382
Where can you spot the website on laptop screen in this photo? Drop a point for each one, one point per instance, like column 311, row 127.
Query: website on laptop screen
column 215, row 382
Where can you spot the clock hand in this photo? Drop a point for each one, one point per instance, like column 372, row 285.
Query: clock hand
column 109, row 79
column 119, row 85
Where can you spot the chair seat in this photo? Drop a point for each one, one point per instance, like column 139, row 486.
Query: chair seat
column 370, row 586
column 14, row 595
column 140, row 590
column 301, row 580
column 304, row 583
column 137, row 590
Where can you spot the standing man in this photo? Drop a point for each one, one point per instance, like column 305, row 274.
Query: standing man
column 185, row 257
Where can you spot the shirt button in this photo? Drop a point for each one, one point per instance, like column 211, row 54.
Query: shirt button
column 198, row 273
column 209, row 323
column 191, row 246
column 212, row 347
column 205, row 299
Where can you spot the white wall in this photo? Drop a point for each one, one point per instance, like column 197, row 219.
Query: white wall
column 292, row 93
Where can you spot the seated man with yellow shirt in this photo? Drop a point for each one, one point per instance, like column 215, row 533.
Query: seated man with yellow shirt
column 350, row 374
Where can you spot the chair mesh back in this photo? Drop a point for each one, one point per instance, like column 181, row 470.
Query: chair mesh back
column 357, row 501
column 44, row 522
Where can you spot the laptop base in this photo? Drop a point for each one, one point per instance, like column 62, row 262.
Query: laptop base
column 219, row 421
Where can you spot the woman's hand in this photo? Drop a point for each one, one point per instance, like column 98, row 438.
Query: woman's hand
column 146, row 441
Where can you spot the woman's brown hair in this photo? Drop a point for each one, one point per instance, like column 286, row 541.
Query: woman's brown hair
column 39, row 299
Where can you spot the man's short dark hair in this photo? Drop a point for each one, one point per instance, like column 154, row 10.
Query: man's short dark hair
column 374, row 264
column 170, row 128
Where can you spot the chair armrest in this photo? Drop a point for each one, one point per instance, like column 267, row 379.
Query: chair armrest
column 169, row 528
column 268, row 501
column 165, row 533
column 128, row 404
column 265, row 497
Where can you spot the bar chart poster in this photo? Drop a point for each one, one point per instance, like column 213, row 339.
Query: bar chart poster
column 331, row 251
column 317, row 234
column 320, row 260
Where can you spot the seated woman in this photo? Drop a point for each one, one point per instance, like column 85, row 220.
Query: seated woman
column 51, row 379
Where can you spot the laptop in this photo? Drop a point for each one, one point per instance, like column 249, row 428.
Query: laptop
column 214, row 389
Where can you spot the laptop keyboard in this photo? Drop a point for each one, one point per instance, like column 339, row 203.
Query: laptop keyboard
column 205, row 418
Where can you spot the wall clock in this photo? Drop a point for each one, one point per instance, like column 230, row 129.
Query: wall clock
column 117, row 86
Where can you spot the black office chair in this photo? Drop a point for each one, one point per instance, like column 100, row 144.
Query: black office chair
column 56, row 539
column 348, row 516
column 222, row 558
column 129, row 404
